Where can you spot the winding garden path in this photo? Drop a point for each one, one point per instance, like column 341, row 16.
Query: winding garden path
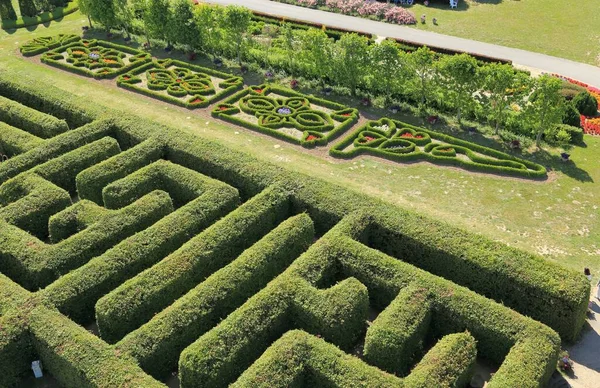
column 546, row 63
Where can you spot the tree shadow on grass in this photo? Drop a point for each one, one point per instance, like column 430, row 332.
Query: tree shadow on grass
column 555, row 163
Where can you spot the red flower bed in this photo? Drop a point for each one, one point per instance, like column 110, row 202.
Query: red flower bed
column 346, row 114
column 259, row 91
column 126, row 78
column 591, row 126
column 311, row 138
column 369, row 138
column 409, row 135
column 591, row 89
column 196, row 101
column 222, row 108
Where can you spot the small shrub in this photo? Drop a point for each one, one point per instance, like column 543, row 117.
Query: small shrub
column 586, row 104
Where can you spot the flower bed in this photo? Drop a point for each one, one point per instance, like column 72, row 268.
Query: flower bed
column 590, row 125
column 402, row 142
column 371, row 9
column 280, row 112
column 95, row 58
column 44, row 43
column 180, row 83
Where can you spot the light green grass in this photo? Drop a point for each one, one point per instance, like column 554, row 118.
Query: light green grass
column 554, row 27
column 558, row 217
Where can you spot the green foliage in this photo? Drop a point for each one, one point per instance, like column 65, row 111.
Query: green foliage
column 450, row 363
column 460, row 81
column 571, row 115
column 30, row 120
column 586, row 104
column 546, row 107
column 104, row 12
column 28, row 8
column 350, row 60
column 183, row 23
column 424, row 73
column 7, row 11
column 236, row 21
column 156, row 19
column 386, row 71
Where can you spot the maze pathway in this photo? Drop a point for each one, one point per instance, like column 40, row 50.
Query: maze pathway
column 197, row 260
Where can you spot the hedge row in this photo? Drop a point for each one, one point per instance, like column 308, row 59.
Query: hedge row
column 76, row 293
column 78, row 358
column 56, row 56
column 55, row 147
column 396, row 337
column 450, row 363
column 42, row 44
column 346, row 117
column 74, row 219
column 338, row 314
column 50, row 100
column 157, row 344
column 506, row 164
column 126, row 308
column 14, row 141
column 31, row 120
column 519, row 280
column 28, row 201
column 44, row 17
column 299, row 359
column 16, row 352
column 503, row 336
column 229, row 85
column 35, row 264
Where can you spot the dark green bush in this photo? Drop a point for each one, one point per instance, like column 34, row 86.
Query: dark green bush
column 586, row 104
column 571, row 115
column 14, row 141
column 31, row 120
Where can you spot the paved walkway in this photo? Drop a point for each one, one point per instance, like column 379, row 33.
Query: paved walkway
column 586, row 73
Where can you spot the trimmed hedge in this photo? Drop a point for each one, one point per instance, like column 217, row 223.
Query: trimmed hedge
column 14, row 141
column 44, row 17
column 318, row 129
column 450, row 363
column 78, row 358
column 36, row 264
column 395, row 339
column 74, row 219
column 42, row 44
column 30, row 120
column 299, row 359
column 211, row 250
column 113, row 52
column 28, row 201
column 199, row 99
column 382, row 146
column 157, row 344
column 16, row 352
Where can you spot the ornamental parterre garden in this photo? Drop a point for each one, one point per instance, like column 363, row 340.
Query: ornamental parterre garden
column 195, row 259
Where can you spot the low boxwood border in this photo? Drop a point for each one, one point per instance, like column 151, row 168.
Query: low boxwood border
column 506, row 164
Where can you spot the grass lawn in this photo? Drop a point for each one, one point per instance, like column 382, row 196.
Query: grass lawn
column 558, row 218
column 555, row 27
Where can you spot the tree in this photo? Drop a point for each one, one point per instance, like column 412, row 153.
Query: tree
column 351, row 60
column 184, row 28
column 7, row 11
column 124, row 14
column 289, row 44
column 545, row 107
column 316, row 50
column 421, row 64
column 27, row 8
column 387, row 70
column 236, row 22
column 42, row 5
column 103, row 11
column 156, row 19
column 208, row 20
column 85, row 7
column 501, row 87
column 459, row 74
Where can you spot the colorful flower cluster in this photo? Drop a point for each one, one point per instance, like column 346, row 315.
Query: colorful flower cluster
column 590, row 125
column 385, row 11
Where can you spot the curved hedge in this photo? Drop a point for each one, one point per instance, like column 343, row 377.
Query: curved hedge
column 293, row 111
column 385, row 143
column 31, row 120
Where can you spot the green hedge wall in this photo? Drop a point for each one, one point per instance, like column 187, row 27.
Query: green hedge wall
column 74, row 219
column 216, row 247
column 28, row 201
column 395, row 339
column 450, row 363
column 14, row 141
column 157, row 344
column 31, row 120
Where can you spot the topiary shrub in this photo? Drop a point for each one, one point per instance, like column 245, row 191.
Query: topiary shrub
column 571, row 115
column 7, row 11
column 28, row 8
column 586, row 104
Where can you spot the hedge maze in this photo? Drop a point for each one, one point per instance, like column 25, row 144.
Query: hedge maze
column 180, row 83
column 196, row 259
column 398, row 141
column 288, row 115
